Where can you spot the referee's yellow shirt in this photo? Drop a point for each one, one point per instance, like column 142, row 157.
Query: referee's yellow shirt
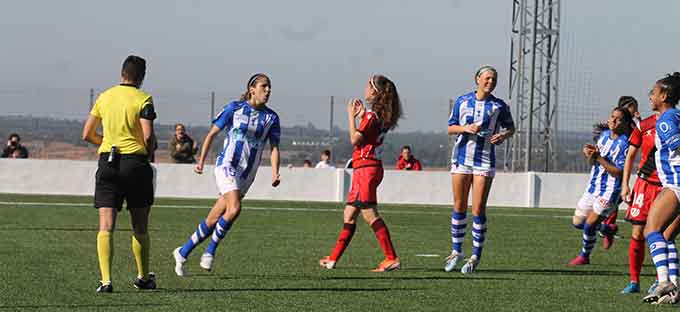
column 119, row 109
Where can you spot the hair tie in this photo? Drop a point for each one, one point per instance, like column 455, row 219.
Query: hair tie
column 252, row 79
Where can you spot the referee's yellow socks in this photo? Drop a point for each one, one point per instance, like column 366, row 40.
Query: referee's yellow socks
column 140, row 248
column 105, row 254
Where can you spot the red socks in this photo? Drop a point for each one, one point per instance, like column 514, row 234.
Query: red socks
column 343, row 241
column 383, row 236
column 611, row 219
column 636, row 255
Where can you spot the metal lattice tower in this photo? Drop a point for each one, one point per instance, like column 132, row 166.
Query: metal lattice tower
column 534, row 84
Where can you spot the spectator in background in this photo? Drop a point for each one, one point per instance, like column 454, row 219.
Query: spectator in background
column 407, row 161
column 14, row 148
column 307, row 164
column 325, row 161
column 182, row 146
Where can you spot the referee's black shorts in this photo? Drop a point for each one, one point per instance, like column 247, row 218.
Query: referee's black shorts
column 127, row 178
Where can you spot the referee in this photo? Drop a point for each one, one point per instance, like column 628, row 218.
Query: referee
column 126, row 116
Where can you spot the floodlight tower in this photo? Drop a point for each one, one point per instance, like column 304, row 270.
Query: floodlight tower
column 534, row 84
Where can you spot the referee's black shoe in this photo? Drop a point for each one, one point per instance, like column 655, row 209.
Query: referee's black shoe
column 149, row 283
column 105, row 288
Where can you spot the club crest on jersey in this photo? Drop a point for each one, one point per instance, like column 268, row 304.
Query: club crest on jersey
column 664, row 127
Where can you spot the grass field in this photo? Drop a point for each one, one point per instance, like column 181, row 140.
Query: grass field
column 268, row 262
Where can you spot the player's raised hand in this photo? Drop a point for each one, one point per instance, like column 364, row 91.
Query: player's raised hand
column 199, row 168
column 276, row 180
column 355, row 107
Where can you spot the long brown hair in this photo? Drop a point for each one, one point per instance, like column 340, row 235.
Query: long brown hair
column 386, row 103
column 626, row 126
column 251, row 83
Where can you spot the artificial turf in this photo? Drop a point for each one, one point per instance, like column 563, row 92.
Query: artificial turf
column 269, row 261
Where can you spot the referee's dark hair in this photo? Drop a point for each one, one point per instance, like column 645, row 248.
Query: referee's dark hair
column 134, row 69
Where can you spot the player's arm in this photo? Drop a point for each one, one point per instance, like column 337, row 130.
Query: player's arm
column 627, row 170
column 276, row 178
column 354, row 109
column 612, row 169
column 205, row 149
column 454, row 122
column 90, row 130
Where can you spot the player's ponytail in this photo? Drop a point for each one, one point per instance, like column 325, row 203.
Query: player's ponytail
column 598, row 128
column 670, row 85
column 386, row 104
column 251, row 83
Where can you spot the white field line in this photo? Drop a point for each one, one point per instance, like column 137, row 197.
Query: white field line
column 419, row 211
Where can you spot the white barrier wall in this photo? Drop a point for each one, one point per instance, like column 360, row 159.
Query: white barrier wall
column 67, row 177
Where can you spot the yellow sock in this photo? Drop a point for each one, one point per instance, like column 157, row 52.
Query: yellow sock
column 140, row 248
column 105, row 254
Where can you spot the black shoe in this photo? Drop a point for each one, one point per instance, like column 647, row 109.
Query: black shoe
column 149, row 283
column 105, row 288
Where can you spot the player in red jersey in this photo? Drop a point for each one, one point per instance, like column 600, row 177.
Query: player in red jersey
column 385, row 110
column 640, row 200
column 630, row 104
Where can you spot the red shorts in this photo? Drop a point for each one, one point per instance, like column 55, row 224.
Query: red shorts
column 644, row 194
column 364, row 190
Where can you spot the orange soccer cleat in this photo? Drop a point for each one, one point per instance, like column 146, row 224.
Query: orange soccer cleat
column 388, row 265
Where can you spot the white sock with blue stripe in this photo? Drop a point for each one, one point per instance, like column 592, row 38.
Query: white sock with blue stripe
column 589, row 239
column 458, row 225
column 220, row 232
column 202, row 231
column 672, row 262
column 478, row 235
column 659, row 250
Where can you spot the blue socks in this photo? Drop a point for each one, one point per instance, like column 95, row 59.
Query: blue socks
column 478, row 231
column 458, row 225
column 199, row 236
column 589, row 239
column 220, row 232
column 659, row 249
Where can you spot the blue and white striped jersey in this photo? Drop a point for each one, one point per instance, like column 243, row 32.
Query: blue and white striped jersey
column 491, row 114
column 248, row 130
column 667, row 141
column 601, row 183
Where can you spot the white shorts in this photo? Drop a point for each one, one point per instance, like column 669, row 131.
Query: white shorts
column 227, row 181
column 590, row 202
column 465, row 169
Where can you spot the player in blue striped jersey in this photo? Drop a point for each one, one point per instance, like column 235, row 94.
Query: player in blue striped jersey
column 602, row 194
column 664, row 98
column 249, row 126
column 481, row 121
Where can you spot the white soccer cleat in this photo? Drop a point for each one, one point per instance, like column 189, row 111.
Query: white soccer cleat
column 664, row 293
column 452, row 260
column 327, row 263
column 470, row 266
column 179, row 262
column 206, row 261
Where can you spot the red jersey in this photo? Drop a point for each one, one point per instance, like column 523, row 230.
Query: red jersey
column 643, row 138
column 410, row 164
column 367, row 153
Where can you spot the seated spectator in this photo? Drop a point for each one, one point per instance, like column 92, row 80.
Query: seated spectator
column 182, row 146
column 407, row 161
column 307, row 164
column 325, row 160
column 14, row 147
